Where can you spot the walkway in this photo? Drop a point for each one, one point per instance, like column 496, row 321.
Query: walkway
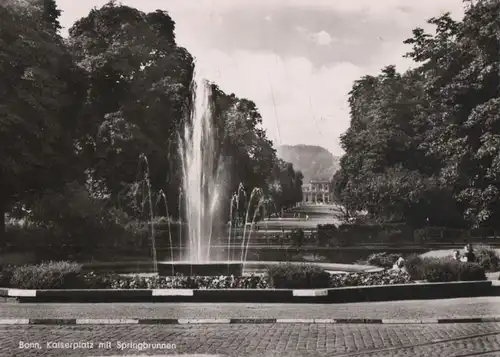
column 413, row 309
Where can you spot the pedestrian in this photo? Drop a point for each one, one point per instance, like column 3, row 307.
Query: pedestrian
column 456, row 255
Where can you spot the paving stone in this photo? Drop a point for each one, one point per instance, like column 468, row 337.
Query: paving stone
column 291, row 340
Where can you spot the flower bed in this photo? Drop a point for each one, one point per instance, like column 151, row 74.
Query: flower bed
column 383, row 260
column 114, row 281
column 231, row 282
column 65, row 275
column 387, row 277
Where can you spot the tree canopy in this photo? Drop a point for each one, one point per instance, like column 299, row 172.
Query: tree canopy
column 80, row 116
column 41, row 98
column 422, row 146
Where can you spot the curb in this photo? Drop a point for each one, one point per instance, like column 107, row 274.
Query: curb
column 412, row 291
column 245, row 321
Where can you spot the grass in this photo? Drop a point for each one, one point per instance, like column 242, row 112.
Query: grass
column 493, row 276
column 439, row 253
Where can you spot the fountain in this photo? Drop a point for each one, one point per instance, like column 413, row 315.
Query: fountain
column 200, row 197
column 202, row 190
column 147, row 181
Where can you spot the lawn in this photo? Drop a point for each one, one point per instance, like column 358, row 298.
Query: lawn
column 439, row 253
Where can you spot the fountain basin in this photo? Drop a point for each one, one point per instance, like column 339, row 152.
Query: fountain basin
column 236, row 268
column 200, row 269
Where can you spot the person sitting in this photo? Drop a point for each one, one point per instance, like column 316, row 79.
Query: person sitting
column 456, row 255
column 469, row 256
column 399, row 265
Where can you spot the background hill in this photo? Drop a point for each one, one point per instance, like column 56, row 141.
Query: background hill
column 315, row 162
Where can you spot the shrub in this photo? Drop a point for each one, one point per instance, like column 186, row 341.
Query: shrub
column 78, row 219
column 5, row 276
column 297, row 276
column 443, row 270
column 325, row 234
column 384, row 260
column 27, row 235
column 471, row 272
column 487, row 257
column 413, row 266
column 297, row 237
column 50, row 275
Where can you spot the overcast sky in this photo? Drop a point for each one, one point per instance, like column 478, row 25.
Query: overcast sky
column 296, row 59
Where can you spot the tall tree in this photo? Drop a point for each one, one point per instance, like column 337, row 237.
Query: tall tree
column 250, row 153
column 461, row 63
column 385, row 171
column 425, row 143
column 138, row 97
column 40, row 97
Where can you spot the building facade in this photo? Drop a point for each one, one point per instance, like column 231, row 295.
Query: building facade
column 317, row 191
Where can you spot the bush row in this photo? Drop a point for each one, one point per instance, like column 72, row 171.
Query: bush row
column 487, row 257
column 66, row 275
column 346, row 234
column 50, row 275
column 443, row 270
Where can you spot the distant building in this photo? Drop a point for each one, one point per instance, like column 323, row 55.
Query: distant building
column 317, row 191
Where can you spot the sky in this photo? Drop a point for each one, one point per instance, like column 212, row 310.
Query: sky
column 296, row 59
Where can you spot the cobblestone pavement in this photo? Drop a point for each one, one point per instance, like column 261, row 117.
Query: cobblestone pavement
column 415, row 309
column 291, row 340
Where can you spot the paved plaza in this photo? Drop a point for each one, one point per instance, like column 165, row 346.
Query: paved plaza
column 234, row 340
